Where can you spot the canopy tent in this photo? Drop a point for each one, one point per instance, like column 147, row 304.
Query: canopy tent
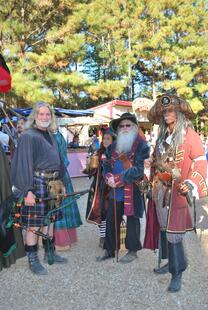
column 80, row 126
column 58, row 112
column 81, row 121
column 14, row 113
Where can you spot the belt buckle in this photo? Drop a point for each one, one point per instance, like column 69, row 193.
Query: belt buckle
column 47, row 174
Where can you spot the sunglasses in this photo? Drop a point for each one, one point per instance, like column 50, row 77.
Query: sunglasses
column 126, row 125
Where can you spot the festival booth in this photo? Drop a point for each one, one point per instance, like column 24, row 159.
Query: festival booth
column 81, row 126
column 112, row 109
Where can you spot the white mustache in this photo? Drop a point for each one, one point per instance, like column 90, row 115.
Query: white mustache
column 44, row 124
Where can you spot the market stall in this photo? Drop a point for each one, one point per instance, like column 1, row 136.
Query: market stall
column 80, row 126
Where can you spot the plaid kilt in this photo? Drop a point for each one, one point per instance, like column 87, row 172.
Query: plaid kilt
column 71, row 216
column 34, row 216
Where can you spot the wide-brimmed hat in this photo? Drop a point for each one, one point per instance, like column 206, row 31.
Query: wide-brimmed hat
column 115, row 122
column 166, row 101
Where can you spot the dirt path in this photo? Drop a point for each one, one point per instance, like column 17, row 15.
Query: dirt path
column 88, row 285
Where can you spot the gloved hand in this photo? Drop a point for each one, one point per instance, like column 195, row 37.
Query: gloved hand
column 186, row 189
column 149, row 194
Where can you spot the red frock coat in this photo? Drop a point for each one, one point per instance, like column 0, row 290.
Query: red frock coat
column 191, row 161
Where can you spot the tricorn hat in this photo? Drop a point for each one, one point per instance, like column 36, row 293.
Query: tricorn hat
column 115, row 122
column 165, row 101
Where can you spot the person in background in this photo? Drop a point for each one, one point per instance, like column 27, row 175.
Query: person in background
column 94, row 146
column 65, row 228
column 98, row 198
column 178, row 174
column 20, row 127
column 75, row 142
column 11, row 241
column 147, row 136
column 4, row 140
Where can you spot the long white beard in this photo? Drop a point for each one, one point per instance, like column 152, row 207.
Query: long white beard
column 125, row 141
column 42, row 124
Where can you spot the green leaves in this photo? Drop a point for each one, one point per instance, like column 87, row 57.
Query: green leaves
column 81, row 53
column 106, row 89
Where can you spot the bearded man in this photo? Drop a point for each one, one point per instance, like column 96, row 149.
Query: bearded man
column 179, row 174
column 35, row 163
column 125, row 167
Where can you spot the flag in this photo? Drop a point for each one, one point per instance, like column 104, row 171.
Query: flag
column 5, row 76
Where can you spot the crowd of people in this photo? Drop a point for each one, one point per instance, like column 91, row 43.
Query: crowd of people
column 40, row 186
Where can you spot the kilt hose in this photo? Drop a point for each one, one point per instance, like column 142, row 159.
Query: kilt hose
column 34, row 216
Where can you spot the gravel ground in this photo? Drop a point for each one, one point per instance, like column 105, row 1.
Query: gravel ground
column 84, row 284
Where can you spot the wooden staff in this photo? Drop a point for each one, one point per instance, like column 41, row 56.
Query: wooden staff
column 115, row 222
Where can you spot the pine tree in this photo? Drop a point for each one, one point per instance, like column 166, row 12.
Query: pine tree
column 42, row 46
column 82, row 53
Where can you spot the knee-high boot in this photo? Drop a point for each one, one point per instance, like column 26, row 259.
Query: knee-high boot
column 177, row 264
column 34, row 263
column 50, row 255
column 164, row 253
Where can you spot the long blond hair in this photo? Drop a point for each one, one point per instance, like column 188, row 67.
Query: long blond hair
column 31, row 118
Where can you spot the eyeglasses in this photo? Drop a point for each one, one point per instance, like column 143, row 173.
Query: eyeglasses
column 125, row 125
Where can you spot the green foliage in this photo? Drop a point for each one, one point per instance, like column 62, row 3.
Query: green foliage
column 80, row 53
column 103, row 88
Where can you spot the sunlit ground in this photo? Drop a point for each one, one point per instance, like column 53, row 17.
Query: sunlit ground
column 202, row 223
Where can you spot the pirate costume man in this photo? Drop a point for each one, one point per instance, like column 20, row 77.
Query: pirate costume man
column 35, row 163
column 178, row 176
column 121, row 172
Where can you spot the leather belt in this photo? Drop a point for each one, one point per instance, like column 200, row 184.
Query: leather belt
column 47, row 174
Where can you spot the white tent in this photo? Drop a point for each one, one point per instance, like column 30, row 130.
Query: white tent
column 81, row 121
column 69, row 126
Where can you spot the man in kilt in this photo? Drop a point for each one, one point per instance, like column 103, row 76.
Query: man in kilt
column 35, row 163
